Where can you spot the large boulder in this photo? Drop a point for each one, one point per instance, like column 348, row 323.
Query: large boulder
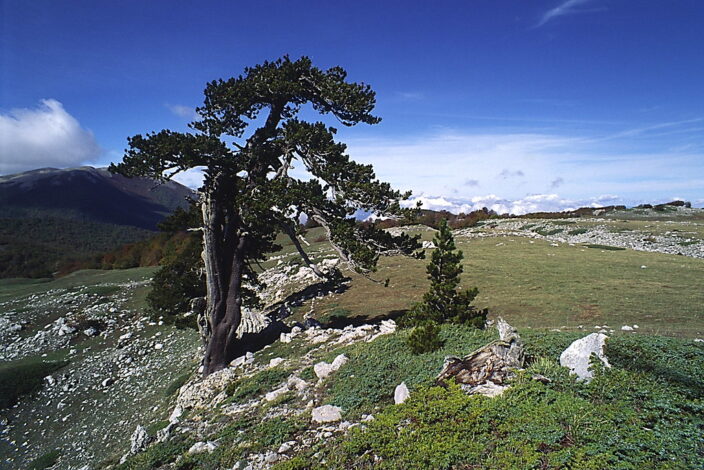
column 578, row 355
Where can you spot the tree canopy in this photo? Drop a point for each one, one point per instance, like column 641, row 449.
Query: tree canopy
column 247, row 139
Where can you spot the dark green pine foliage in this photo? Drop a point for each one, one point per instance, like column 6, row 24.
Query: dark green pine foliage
column 180, row 278
column 444, row 302
column 247, row 138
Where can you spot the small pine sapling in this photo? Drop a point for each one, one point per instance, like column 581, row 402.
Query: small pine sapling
column 444, row 302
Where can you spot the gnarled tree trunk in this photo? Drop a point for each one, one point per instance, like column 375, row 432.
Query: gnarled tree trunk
column 224, row 257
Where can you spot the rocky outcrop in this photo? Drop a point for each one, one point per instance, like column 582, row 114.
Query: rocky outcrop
column 202, row 393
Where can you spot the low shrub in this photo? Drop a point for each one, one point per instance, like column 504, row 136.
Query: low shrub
column 425, row 338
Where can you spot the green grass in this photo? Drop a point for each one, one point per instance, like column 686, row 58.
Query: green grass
column 646, row 412
column 531, row 283
column 24, row 376
column 45, row 460
column 177, row 384
column 14, row 288
column 547, row 233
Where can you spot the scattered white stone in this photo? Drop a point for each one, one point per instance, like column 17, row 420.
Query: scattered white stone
column 274, row 394
column 636, row 326
column 275, row 361
column 175, row 414
column 297, row 383
column 339, row 361
column 90, row 331
column 578, row 355
column 201, row 447
column 139, row 440
column 699, row 340
column 326, row 414
column 322, row 369
column 158, row 346
column 286, row 446
column 626, row 328
column 401, row 393
column 643, row 267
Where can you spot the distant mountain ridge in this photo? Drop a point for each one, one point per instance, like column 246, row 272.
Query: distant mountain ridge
column 51, row 216
column 92, row 194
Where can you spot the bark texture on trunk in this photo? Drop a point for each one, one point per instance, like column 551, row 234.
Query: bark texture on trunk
column 224, row 257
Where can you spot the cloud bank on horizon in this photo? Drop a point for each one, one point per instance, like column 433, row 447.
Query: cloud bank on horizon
column 46, row 136
column 508, row 172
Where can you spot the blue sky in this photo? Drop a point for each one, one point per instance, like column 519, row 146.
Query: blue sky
column 518, row 105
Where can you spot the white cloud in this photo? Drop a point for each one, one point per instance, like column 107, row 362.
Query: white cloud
column 525, row 205
column 47, row 136
column 442, row 163
column 506, row 173
column 193, row 178
column 565, row 8
column 187, row 112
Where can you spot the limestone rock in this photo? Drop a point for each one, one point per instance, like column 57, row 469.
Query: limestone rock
column 326, row 414
column 578, row 355
column 275, row 361
column 401, row 393
column 201, row 394
column 252, row 322
column 323, row 369
column 274, row 394
column 139, row 440
column 201, row 447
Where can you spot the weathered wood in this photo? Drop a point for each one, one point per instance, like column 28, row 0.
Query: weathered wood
column 494, row 362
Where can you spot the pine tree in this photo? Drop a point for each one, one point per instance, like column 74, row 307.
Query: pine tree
column 248, row 136
column 443, row 303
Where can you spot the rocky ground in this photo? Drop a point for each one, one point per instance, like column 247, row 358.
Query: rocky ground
column 119, row 363
column 678, row 237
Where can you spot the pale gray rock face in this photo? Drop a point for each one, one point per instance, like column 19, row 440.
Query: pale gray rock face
column 201, row 393
column 578, row 355
column 326, row 414
column 401, row 393
column 138, row 442
column 323, row 369
column 201, row 447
